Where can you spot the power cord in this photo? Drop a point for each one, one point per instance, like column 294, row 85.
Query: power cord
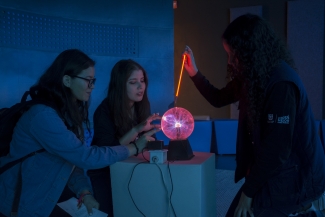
column 171, row 193
column 143, row 154
column 163, row 179
column 129, row 187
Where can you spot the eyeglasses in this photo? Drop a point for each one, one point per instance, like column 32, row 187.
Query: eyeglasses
column 91, row 82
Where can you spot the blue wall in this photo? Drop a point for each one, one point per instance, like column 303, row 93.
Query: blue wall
column 28, row 46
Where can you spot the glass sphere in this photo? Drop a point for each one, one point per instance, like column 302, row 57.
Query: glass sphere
column 177, row 123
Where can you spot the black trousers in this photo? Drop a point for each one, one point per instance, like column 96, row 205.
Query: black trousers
column 101, row 184
column 66, row 195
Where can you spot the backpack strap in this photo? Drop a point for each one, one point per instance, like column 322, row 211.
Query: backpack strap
column 13, row 163
column 15, row 205
column 24, row 97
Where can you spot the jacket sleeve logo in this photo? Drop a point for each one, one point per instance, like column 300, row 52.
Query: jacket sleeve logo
column 283, row 120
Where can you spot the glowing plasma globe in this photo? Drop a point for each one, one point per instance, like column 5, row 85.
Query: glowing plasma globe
column 177, row 123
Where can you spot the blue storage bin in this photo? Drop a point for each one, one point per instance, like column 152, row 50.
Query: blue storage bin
column 200, row 139
column 226, row 136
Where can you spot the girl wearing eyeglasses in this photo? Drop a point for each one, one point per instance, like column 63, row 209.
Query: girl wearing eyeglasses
column 58, row 129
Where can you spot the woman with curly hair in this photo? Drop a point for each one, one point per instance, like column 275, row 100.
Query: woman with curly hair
column 278, row 150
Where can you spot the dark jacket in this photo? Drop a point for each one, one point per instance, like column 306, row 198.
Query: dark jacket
column 105, row 134
column 294, row 159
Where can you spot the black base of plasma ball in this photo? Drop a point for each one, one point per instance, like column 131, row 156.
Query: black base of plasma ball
column 179, row 150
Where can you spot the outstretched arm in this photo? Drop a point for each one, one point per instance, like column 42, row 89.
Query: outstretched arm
column 216, row 97
column 79, row 184
column 144, row 126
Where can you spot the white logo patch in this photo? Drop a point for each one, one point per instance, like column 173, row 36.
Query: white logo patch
column 270, row 119
column 283, row 120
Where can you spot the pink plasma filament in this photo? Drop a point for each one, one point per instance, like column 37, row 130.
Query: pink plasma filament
column 177, row 123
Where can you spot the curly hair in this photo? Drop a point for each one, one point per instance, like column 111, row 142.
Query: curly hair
column 50, row 87
column 257, row 50
column 118, row 100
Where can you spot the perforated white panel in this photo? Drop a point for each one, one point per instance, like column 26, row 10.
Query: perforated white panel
column 39, row 32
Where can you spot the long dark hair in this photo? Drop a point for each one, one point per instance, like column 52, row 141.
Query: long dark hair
column 50, row 87
column 258, row 50
column 118, row 100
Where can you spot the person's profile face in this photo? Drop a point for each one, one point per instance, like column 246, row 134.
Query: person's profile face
column 82, row 85
column 135, row 86
column 231, row 54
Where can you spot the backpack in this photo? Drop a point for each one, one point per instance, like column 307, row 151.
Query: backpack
column 8, row 120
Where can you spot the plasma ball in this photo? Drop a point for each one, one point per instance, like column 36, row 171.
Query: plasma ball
column 177, row 123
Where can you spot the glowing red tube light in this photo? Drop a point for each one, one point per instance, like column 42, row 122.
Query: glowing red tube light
column 180, row 76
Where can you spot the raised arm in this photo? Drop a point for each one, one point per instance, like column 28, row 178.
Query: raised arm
column 216, row 97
